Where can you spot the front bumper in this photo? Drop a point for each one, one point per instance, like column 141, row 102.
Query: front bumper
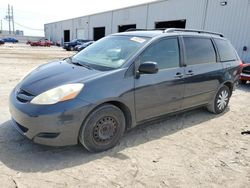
column 53, row 125
column 244, row 76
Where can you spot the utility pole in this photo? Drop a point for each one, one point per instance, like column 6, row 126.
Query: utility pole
column 12, row 16
column 1, row 26
column 9, row 18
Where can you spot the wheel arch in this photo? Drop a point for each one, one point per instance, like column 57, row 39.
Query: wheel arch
column 230, row 85
column 124, row 108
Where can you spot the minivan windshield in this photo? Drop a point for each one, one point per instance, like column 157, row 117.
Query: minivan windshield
column 110, row 52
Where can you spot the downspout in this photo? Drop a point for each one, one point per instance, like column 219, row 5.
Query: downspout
column 205, row 15
column 112, row 13
column 88, row 27
column 147, row 16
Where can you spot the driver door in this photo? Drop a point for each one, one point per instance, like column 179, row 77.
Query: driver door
column 160, row 93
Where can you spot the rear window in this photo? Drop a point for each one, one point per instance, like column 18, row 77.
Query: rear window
column 226, row 50
column 199, row 50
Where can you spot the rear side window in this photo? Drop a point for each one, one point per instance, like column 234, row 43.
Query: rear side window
column 165, row 53
column 199, row 50
column 226, row 51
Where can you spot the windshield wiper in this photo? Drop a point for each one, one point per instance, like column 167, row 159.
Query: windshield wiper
column 68, row 59
column 81, row 64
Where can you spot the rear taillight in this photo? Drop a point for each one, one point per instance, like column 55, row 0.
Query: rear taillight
column 241, row 63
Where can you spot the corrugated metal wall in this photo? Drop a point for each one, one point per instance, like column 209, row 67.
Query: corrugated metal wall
column 100, row 20
column 135, row 15
column 231, row 19
column 191, row 10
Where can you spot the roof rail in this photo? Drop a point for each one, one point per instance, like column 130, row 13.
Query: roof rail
column 170, row 30
column 134, row 29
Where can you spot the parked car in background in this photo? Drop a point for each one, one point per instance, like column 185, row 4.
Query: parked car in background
column 121, row 81
column 41, row 43
column 245, row 73
column 1, row 41
column 58, row 43
column 82, row 46
column 69, row 46
column 10, row 39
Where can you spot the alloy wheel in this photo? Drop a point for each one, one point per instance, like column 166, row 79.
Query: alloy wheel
column 222, row 100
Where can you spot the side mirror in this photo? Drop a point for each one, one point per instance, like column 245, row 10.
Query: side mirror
column 148, row 67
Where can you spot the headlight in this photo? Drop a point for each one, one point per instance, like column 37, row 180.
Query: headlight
column 58, row 94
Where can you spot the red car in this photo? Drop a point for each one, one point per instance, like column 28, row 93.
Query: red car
column 245, row 73
column 41, row 43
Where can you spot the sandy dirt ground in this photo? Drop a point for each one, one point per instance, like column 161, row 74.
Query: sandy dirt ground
column 193, row 149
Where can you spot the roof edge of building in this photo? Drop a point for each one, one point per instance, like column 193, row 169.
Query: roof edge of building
column 132, row 6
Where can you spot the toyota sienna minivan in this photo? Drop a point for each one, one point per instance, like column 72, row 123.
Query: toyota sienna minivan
column 123, row 80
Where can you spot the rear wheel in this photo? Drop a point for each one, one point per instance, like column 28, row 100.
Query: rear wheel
column 102, row 129
column 221, row 101
column 71, row 48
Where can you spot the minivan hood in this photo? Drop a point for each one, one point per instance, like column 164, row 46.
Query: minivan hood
column 54, row 74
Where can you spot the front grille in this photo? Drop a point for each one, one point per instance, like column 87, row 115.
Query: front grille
column 24, row 96
column 246, row 70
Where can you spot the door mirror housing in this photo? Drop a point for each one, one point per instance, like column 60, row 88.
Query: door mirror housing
column 148, row 67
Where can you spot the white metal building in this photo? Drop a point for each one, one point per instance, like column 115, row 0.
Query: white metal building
column 230, row 17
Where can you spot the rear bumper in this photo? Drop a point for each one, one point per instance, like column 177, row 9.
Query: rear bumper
column 244, row 76
column 46, row 126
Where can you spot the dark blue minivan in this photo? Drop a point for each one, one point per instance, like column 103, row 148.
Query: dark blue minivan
column 121, row 81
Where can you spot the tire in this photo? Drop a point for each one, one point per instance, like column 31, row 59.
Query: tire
column 71, row 48
column 102, row 129
column 220, row 102
column 243, row 82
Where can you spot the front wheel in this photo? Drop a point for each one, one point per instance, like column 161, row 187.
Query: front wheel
column 102, row 129
column 221, row 101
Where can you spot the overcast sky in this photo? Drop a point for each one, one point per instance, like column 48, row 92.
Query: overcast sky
column 32, row 14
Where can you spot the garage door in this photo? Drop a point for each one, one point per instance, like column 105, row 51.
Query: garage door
column 80, row 34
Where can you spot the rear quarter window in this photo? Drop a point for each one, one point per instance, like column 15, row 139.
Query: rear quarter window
column 226, row 50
